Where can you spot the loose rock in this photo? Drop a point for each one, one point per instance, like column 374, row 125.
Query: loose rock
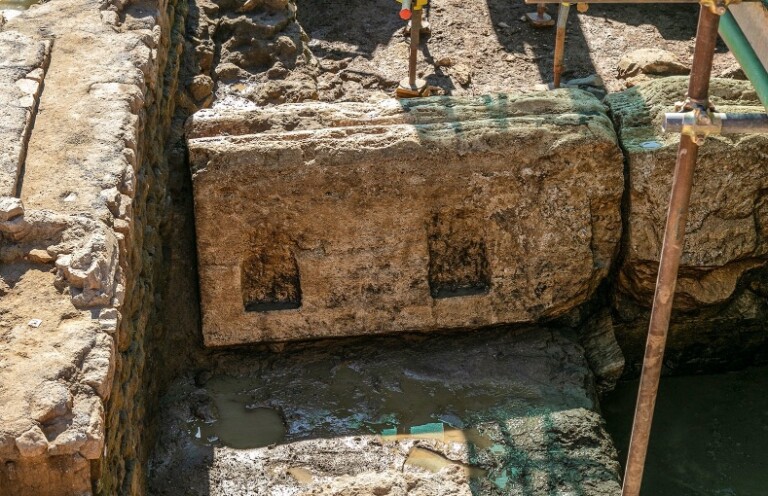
column 40, row 256
column 32, row 443
column 201, row 87
column 652, row 61
column 462, row 74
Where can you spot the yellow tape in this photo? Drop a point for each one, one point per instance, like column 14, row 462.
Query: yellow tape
column 418, row 5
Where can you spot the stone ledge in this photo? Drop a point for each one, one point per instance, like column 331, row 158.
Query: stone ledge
column 23, row 61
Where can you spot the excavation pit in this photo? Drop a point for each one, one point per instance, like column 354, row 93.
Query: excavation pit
column 491, row 232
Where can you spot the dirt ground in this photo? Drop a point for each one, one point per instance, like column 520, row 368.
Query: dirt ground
column 484, row 46
column 261, row 52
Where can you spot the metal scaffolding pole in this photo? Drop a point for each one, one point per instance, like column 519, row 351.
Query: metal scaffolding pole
column 672, row 247
column 559, row 64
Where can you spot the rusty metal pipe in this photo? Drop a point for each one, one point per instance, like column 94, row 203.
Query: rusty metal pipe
column 541, row 9
column 415, row 35
column 672, row 247
column 562, row 20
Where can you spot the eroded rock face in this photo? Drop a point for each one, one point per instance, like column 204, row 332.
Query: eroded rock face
column 726, row 234
column 420, row 215
column 250, row 51
column 720, row 311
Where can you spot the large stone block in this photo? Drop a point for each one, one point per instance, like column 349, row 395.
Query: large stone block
column 726, row 230
column 317, row 220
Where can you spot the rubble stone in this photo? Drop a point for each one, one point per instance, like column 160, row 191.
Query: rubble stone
column 651, row 61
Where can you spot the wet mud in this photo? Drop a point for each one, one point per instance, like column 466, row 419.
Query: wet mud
column 497, row 412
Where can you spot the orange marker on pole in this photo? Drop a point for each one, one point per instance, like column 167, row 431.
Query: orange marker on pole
column 405, row 11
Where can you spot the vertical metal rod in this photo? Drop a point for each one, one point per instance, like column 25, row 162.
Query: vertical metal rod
column 672, row 247
column 415, row 34
column 562, row 20
column 541, row 9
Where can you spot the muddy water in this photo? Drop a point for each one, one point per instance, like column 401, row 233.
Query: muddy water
column 390, row 392
column 236, row 418
column 496, row 412
column 17, row 4
column 710, row 434
column 12, row 8
column 239, row 417
column 237, row 423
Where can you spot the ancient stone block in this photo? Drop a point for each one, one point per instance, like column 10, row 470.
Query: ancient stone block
column 726, row 233
column 402, row 216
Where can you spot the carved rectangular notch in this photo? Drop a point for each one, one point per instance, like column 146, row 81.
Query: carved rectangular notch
column 269, row 274
column 458, row 262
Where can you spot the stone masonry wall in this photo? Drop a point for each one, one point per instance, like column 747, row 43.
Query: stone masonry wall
column 84, row 195
column 432, row 259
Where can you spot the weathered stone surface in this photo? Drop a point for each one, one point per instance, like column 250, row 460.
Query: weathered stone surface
column 423, row 215
column 32, row 443
column 50, row 373
column 40, row 256
column 91, row 270
column 47, row 476
column 603, row 353
column 509, row 413
column 50, row 400
column 93, row 191
column 10, row 208
column 720, row 312
column 651, row 61
column 262, row 53
column 21, row 56
column 725, row 235
column 201, row 87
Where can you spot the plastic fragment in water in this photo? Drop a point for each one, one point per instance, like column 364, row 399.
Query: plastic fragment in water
column 650, row 145
column 432, row 428
column 502, row 480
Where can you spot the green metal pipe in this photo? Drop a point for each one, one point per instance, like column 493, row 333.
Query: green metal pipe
column 734, row 37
